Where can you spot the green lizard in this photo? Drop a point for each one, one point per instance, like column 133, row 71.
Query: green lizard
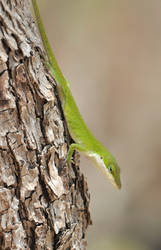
column 84, row 141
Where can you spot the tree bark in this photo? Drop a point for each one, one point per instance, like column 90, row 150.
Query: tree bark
column 43, row 201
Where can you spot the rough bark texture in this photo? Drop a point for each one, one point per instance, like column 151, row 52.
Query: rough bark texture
column 43, row 202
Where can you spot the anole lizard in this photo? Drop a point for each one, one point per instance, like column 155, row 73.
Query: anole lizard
column 84, row 141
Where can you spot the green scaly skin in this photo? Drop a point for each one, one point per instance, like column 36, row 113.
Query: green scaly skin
column 84, row 140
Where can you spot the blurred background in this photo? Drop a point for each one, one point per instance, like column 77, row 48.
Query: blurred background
column 110, row 51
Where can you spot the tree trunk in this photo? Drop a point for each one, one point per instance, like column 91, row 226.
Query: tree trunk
column 43, row 201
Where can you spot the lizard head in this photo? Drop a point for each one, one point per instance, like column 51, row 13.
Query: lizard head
column 113, row 174
column 108, row 165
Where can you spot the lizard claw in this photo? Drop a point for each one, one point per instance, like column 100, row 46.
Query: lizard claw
column 70, row 160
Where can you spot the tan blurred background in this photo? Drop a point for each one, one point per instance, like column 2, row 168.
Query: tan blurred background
column 110, row 50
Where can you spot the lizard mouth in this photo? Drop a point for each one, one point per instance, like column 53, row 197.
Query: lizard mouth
column 117, row 186
column 112, row 180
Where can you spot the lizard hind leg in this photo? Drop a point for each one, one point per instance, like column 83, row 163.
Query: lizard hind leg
column 74, row 146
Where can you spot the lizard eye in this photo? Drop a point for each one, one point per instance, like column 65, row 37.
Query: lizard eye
column 110, row 168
